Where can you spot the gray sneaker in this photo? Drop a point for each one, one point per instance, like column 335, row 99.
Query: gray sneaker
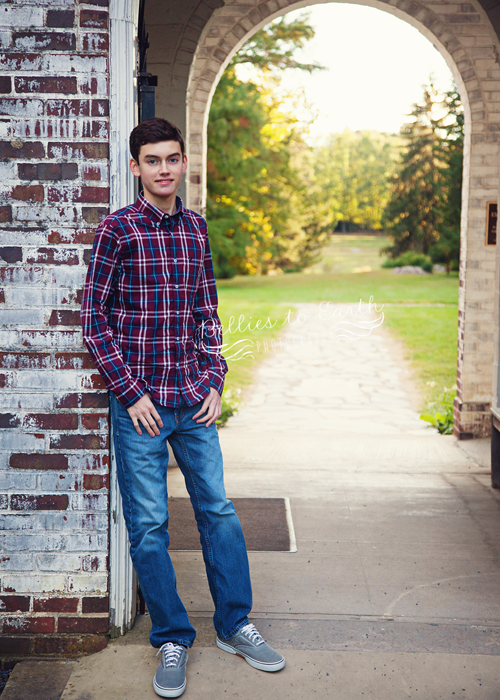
column 248, row 643
column 170, row 678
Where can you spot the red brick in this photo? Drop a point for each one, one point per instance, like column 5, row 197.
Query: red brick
column 14, row 603
column 82, row 149
column 51, row 421
column 69, row 646
column 91, row 172
column 11, row 254
column 5, row 84
column 79, row 296
column 94, row 215
column 19, row 360
column 94, row 19
column 95, row 605
column 95, row 42
column 37, row 460
column 27, row 625
column 90, row 400
column 25, row 502
column 54, row 256
column 93, row 381
column 14, row 62
column 7, row 380
column 85, row 236
column 64, row 318
column 60, row 18
column 64, row 605
column 66, row 85
column 5, row 215
column 100, row 108
column 83, row 625
column 94, row 421
column 78, row 442
column 9, row 420
column 93, row 195
column 2, row 296
column 73, row 360
column 28, row 193
column 67, row 108
column 20, row 149
column 56, row 41
column 95, row 482
column 4, row 501
column 96, row 129
column 48, row 171
column 15, row 646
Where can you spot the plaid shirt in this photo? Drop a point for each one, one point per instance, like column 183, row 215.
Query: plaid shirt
column 149, row 309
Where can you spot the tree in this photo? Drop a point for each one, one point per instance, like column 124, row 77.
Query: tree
column 423, row 214
column 257, row 203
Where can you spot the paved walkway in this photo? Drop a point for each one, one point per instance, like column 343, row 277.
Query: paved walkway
column 393, row 590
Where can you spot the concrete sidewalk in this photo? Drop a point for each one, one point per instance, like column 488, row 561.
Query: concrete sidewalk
column 393, row 592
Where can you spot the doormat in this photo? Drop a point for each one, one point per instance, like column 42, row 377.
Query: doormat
column 266, row 523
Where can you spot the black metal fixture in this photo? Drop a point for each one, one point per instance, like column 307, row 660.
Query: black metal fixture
column 146, row 82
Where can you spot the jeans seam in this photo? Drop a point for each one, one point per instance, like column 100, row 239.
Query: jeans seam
column 123, row 470
column 207, row 538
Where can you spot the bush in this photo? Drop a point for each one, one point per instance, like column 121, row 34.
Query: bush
column 441, row 411
column 230, row 406
column 410, row 258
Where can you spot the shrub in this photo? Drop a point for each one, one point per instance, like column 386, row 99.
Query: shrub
column 441, row 411
column 410, row 257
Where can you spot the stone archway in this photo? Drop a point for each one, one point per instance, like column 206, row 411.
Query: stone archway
column 466, row 39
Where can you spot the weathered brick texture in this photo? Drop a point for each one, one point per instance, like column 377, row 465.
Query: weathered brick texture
column 54, row 464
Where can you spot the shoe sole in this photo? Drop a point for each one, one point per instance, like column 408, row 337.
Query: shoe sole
column 261, row 666
column 168, row 692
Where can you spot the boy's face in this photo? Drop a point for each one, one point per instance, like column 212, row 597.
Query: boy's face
column 160, row 167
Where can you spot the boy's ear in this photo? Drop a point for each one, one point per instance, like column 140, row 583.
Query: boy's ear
column 134, row 167
column 184, row 163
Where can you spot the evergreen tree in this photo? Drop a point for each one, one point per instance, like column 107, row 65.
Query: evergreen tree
column 423, row 214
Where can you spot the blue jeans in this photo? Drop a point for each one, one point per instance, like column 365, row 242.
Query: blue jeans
column 142, row 475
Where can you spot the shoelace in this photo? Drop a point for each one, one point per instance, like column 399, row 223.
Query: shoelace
column 252, row 633
column 171, row 653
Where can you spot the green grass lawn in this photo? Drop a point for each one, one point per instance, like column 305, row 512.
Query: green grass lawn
column 429, row 333
column 351, row 253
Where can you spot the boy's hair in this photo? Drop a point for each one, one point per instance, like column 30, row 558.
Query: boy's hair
column 152, row 131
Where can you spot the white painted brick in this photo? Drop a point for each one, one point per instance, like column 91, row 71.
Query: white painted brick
column 39, row 213
column 35, row 237
column 58, row 562
column 17, row 562
column 68, row 276
column 54, row 481
column 8, row 339
column 21, row 17
column 17, row 522
column 87, row 543
column 14, row 480
column 12, row 317
column 43, row 379
column 80, row 501
column 8, row 171
column 28, row 401
column 36, row 583
column 20, row 442
column 69, row 524
column 63, row 63
column 87, row 583
column 21, row 275
column 50, row 296
column 51, row 339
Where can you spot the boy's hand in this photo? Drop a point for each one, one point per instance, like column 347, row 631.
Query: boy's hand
column 212, row 405
column 143, row 411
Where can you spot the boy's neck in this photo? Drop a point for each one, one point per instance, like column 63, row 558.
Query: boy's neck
column 166, row 204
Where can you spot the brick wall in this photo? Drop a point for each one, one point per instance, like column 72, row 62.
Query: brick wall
column 54, row 188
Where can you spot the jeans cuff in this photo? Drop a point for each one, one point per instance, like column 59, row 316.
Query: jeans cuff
column 182, row 642
column 236, row 630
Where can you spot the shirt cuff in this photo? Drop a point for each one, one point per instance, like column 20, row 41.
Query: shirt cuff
column 216, row 380
column 133, row 392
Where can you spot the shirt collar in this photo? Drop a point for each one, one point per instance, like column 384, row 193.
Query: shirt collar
column 154, row 213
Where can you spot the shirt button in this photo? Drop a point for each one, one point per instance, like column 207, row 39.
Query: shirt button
column 175, row 259
column 178, row 338
column 176, row 364
column 177, row 286
column 157, row 224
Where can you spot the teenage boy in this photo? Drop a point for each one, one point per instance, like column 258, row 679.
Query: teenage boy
column 149, row 317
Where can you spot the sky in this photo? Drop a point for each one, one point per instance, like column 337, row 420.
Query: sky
column 376, row 65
